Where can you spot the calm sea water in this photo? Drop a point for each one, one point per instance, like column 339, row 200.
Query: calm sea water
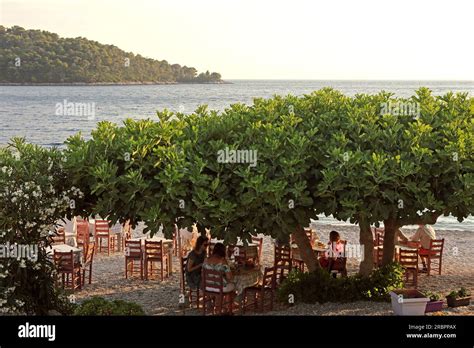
column 31, row 111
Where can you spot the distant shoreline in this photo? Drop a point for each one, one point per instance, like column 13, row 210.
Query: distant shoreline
column 110, row 83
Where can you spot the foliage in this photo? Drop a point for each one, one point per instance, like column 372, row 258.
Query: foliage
column 130, row 173
column 48, row 58
column 433, row 296
column 461, row 293
column 100, row 306
column 35, row 194
column 321, row 153
column 320, row 286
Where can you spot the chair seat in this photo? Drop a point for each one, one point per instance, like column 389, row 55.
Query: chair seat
column 425, row 252
column 156, row 258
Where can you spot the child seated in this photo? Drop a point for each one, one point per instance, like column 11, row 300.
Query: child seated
column 334, row 258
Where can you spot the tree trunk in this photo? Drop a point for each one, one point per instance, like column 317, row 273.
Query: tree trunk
column 390, row 227
column 306, row 251
column 366, row 241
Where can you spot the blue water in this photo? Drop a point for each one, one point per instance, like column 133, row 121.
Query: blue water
column 31, row 112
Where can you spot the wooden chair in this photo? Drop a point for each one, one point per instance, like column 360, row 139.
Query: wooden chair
column 309, row 234
column 82, row 234
column 282, row 262
column 102, row 231
column 215, row 299
column 66, row 266
column 435, row 252
column 297, row 262
column 185, row 290
column 409, row 261
column 133, row 256
column 259, row 242
column 59, row 237
column 255, row 296
column 88, row 260
column 155, row 253
column 378, row 234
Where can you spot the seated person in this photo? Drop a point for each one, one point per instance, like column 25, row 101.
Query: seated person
column 195, row 261
column 424, row 235
column 400, row 237
column 334, row 257
column 218, row 262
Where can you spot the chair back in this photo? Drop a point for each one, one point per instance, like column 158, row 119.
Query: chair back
column 408, row 259
column 102, row 228
column 259, row 242
column 133, row 249
column 436, row 248
column 89, row 251
column 64, row 261
column 82, row 230
column 378, row 234
column 153, row 250
column 282, row 253
column 59, row 237
column 269, row 277
column 212, row 281
column 309, row 234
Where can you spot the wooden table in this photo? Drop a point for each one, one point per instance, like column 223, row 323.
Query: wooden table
column 65, row 248
column 246, row 277
column 167, row 242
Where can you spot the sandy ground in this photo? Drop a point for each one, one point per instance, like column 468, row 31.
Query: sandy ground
column 162, row 298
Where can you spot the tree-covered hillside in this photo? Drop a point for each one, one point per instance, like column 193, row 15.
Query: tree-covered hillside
column 37, row 56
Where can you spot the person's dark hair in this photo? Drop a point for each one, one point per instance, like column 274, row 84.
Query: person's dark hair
column 200, row 241
column 219, row 250
column 334, row 236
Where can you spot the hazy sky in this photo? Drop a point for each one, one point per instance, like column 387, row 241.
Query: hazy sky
column 274, row 39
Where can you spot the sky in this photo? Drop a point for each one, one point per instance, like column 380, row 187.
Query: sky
column 274, row 39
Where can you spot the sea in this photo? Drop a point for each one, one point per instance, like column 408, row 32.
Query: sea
column 40, row 113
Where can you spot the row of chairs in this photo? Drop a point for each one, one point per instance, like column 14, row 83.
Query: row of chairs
column 144, row 260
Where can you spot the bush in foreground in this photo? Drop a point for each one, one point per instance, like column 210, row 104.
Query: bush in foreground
column 101, row 306
column 320, row 287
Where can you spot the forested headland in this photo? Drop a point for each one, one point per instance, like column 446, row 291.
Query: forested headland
column 37, row 56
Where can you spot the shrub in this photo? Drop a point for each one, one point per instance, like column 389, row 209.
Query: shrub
column 461, row 293
column 433, row 296
column 320, row 287
column 34, row 194
column 100, row 306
